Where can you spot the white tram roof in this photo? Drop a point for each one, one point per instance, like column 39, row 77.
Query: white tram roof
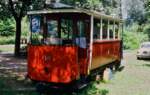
column 55, row 8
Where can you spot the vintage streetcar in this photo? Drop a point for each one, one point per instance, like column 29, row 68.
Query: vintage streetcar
column 70, row 46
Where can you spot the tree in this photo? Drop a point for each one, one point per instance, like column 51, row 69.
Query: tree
column 147, row 9
column 106, row 6
column 135, row 10
column 18, row 9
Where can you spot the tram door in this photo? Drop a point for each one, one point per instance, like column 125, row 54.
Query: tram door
column 82, row 42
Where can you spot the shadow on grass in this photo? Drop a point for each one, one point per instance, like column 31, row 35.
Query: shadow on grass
column 12, row 80
column 12, row 86
column 91, row 89
column 147, row 65
column 18, row 93
column 148, row 60
column 121, row 68
column 145, row 59
column 12, row 76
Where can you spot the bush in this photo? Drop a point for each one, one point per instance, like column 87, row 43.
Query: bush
column 7, row 30
column 92, row 89
column 7, row 27
column 147, row 30
column 25, row 27
column 7, row 40
column 132, row 37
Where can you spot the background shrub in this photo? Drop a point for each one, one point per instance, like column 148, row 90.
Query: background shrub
column 25, row 29
column 7, row 27
column 7, row 40
column 132, row 37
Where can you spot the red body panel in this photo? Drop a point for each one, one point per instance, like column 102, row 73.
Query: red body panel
column 63, row 64
column 107, row 48
column 56, row 64
column 83, row 61
column 105, row 52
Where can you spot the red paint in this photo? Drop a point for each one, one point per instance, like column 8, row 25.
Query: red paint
column 83, row 60
column 63, row 64
column 56, row 64
column 107, row 48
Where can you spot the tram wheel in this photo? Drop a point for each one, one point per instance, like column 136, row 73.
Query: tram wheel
column 40, row 88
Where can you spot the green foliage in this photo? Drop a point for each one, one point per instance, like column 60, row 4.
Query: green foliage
column 7, row 40
column 146, row 30
column 132, row 37
column 25, row 27
column 37, row 4
column 106, row 6
column 7, row 27
column 92, row 89
column 7, row 30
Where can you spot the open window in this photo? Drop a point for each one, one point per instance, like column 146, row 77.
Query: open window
column 81, row 28
column 66, row 31
column 96, row 32
column 52, row 29
column 105, row 27
column 52, row 33
column 81, row 38
column 111, row 30
column 116, row 30
column 58, row 31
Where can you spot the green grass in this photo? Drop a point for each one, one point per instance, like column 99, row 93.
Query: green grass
column 7, row 48
column 7, row 40
column 133, row 80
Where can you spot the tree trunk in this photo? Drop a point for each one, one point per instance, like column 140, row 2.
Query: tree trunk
column 18, row 37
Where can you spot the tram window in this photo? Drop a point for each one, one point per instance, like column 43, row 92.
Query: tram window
column 52, row 30
column 116, row 30
column 36, row 30
column 66, row 29
column 105, row 26
column 111, row 30
column 81, row 39
column 81, row 28
column 96, row 33
column 52, row 33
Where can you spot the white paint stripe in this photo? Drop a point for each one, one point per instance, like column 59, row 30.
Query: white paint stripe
column 101, row 29
column 91, row 41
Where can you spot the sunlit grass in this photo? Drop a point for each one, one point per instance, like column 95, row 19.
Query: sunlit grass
column 4, row 40
column 133, row 80
column 6, row 48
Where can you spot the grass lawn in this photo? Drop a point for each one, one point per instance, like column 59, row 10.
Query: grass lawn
column 133, row 80
column 7, row 48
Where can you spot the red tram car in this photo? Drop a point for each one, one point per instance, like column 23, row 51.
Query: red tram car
column 70, row 44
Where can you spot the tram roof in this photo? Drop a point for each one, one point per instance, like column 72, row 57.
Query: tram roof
column 63, row 8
